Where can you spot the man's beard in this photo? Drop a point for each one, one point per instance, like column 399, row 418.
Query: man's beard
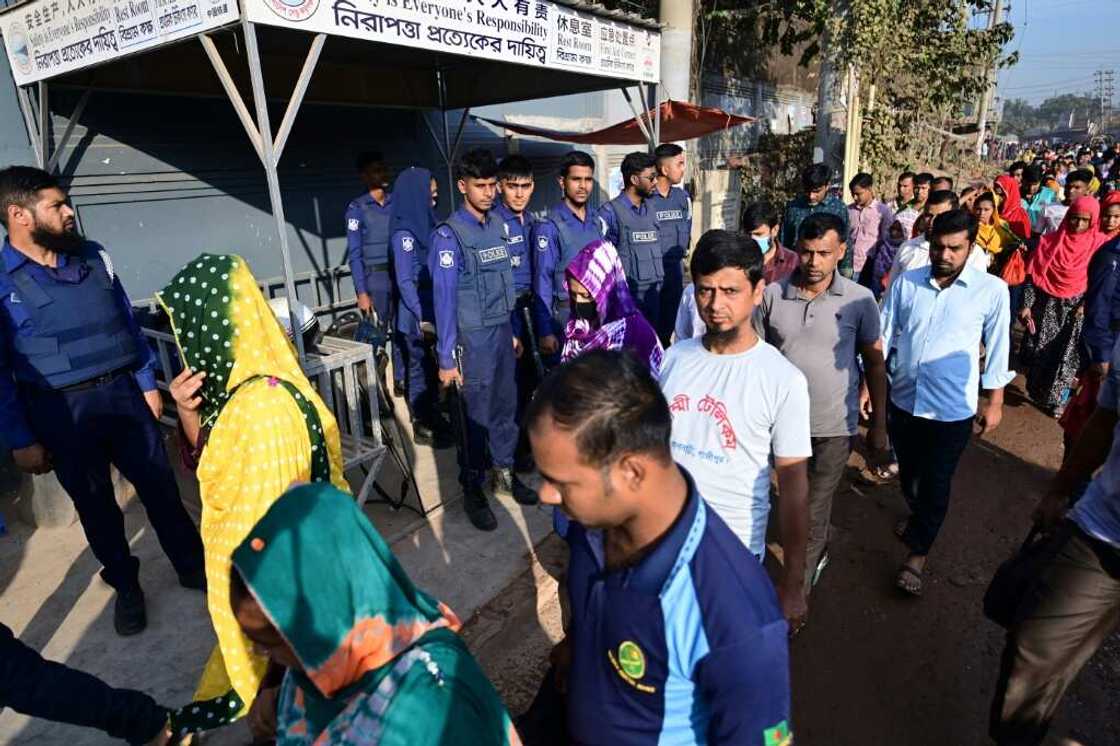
column 721, row 337
column 67, row 242
column 941, row 271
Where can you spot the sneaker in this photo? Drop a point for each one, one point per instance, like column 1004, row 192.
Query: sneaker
column 195, row 581
column 129, row 615
column 523, row 493
column 478, row 508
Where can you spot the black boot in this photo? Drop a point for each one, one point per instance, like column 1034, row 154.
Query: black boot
column 478, row 508
column 194, row 580
column 523, row 493
column 422, row 434
column 129, row 615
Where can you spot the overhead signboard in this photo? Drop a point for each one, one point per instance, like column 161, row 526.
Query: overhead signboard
column 45, row 38
column 527, row 32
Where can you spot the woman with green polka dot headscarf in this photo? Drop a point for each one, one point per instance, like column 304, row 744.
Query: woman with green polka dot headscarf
column 243, row 396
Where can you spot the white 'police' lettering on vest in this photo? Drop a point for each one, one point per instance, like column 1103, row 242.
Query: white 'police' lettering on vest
column 663, row 215
column 643, row 236
column 493, row 254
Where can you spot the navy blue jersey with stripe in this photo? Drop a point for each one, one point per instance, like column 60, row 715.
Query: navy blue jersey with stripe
column 686, row 647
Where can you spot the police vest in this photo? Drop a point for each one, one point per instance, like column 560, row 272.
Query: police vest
column 639, row 242
column 672, row 214
column 375, row 234
column 517, row 240
column 572, row 236
column 78, row 330
column 486, row 294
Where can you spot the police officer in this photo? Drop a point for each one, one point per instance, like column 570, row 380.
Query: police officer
column 672, row 208
column 367, row 249
column 411, row 222
column 473, row 293
column 570, row 225
column 78, row 389
column 630, row 224
column 515, row 185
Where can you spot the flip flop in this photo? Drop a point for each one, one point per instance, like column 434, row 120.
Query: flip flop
column 909, row 580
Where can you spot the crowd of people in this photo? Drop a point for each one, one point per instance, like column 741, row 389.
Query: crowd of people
column 694, row 390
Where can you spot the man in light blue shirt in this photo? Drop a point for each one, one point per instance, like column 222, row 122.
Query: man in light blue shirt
column 1075, row 602
column 934, row 319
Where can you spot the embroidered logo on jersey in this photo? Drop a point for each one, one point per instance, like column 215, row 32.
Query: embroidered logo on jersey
column 406, row 243
column 446, row 259
column 779, row 735
column 643, row 236
column 630, row 665
column 542, row 243
column 493, row 254
column 631, row 660
column 353, row 224
column 515, row 260
column 663, row 215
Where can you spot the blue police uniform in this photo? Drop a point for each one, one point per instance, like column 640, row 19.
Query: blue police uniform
column 556, row 240
column 473, row 294
column 686, row 647
column 673, row 212
column 413, row 292
column 636, row 235
column 72, row 367
column 367, row 250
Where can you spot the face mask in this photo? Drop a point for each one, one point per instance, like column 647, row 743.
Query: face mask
column 763, row 242
column 585, row 310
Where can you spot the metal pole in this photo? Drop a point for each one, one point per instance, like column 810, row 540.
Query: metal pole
column 268, row 156
column 298, row 92
column 44, row 124
column 29, row 122
column 656, row 88
column 70, row 125
column 441, row 84
column 986, row 97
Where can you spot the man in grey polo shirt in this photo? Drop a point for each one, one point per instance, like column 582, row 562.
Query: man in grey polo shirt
column 821, row 321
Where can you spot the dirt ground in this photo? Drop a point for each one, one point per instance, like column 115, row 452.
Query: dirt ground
column 874, row 667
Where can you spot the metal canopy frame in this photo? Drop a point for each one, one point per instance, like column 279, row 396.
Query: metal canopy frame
column 268, row 147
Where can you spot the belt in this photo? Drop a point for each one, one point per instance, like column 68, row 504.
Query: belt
column 378, row 267
column 93, row 383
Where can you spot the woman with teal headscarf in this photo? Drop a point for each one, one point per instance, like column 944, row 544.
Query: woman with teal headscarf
column 371, row 659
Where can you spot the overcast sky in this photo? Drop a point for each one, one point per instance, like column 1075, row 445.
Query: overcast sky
column 1061, row 44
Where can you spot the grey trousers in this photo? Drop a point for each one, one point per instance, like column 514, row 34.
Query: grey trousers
column 826, row 468
column 1073, row 609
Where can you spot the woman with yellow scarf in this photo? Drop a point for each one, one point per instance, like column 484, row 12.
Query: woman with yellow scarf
column 243, row 396
column 994, row 234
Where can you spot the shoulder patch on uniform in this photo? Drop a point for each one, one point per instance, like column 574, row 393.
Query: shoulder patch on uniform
column 542, row 243
column 447, row 259
column 108, row 263
column 406, row 243
column 353, row 224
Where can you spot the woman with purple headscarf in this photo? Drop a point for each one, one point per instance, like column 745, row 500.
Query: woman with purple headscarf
column 604, row 314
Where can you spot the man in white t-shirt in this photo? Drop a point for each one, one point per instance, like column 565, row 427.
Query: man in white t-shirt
column 1077, row 185
column 914, row 253
column 735, row 403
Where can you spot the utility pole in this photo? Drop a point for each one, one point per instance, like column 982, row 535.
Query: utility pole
column 1104, row 81
column 986, row 97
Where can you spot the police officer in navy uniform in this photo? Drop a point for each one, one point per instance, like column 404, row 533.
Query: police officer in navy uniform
column 515, row 187
column 631, row 225
column 78, row 389
column 474, row 295
column 570, row 225
column 367, row 249
column 672, row 208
